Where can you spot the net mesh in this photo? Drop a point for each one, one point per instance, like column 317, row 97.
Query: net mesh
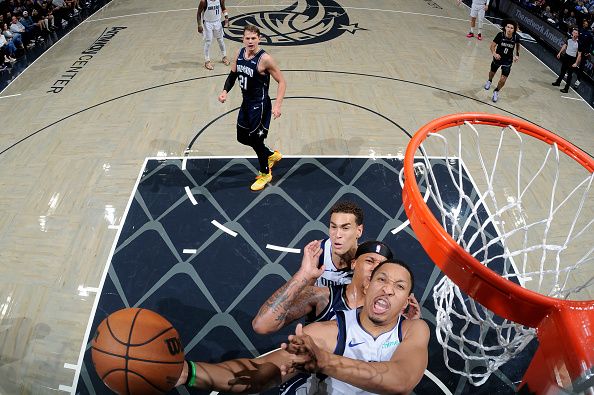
column 520, row 207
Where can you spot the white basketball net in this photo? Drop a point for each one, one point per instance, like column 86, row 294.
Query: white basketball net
column 520, row 207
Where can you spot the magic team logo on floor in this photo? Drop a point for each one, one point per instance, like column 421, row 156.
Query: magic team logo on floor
column 302, row 23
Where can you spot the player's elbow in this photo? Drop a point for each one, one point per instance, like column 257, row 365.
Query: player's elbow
column 261, row 327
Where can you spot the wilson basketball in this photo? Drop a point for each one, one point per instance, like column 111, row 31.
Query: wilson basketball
column 136, row 351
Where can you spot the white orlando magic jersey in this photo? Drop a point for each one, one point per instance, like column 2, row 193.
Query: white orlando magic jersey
column 332, row 275
column 212, row 13
column 355, row 343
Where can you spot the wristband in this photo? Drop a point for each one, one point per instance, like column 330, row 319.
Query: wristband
column 226, row 14
column 191, row 380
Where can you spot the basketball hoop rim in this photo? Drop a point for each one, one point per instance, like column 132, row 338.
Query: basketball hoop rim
column 444, row 250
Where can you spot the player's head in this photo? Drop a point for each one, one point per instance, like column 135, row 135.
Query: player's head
column 251, row 36
column 510, row 27
column 368, row 256
column 346, row 226
column 388, row 292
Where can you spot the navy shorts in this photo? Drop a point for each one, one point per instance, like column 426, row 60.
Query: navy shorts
column 253, row 120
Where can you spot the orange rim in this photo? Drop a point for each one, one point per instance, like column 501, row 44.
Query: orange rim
column 503, row 297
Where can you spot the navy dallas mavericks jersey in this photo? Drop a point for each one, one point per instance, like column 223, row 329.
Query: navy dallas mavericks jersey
column 336, row 302
column 254, row 86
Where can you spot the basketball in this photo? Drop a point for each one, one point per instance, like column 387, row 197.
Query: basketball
column 136, row 351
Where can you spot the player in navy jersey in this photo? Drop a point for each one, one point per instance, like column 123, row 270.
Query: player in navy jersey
column 299, row 298
column 506, row 50
column 252, row 66
column 368, row 350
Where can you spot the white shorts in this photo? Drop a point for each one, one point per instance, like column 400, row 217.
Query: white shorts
column 212, row 29
column 477, row 11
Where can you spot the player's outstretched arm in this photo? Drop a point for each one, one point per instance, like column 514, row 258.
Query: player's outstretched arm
column 248, row 376
column 296, row 298
column 400, row 375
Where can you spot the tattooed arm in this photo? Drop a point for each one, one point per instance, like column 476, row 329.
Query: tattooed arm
column 297, row 297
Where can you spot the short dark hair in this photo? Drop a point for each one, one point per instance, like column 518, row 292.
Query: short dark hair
column 511, row 22
column 400, row 263
column 347, row 207
column 251, row 28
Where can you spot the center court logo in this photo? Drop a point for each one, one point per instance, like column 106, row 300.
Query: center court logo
column 302, row 23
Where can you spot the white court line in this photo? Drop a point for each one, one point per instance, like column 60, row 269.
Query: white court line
column 184, row 162
column 6, row 97
column 573, row 98
column 438, row 382
column 65, row 388
column 427, row 373
column 223, row 228
column 189, row 251
column 283, row 249
column 190, row 196
column 70, row 366
column 81, row 355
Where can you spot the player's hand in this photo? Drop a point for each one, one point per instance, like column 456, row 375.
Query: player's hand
column 200, row 29
column 486, row 7
column 558, row 56
column 459, row 2
column 497, row 56
column 414, row 310
column 223, row 96
column 276, row 111
column 575, row 65
column 311, row 258
column 516, row 57
column 307, row 356
column 226, row 23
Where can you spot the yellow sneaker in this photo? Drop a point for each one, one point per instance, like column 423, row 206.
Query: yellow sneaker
column 261, row 181
column 273, row 159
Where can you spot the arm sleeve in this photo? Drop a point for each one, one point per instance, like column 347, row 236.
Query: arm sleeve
column 230, row 81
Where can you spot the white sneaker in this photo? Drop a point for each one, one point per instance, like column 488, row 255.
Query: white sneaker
column 495, row 96
column 487, row 85
column 576, row 84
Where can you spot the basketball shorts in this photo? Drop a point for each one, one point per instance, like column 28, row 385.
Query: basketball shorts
column 505, row 67
column 212, row 30
column 253, row 120
column 477, row 11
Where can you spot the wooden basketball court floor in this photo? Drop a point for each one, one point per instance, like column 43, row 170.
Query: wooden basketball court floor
column 133, row 86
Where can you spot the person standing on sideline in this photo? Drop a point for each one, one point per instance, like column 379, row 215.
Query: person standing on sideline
column 586, row 41
column 571, row 56
column 477, row 10
column 252, row 66
column 503, row 47
column 209, row 13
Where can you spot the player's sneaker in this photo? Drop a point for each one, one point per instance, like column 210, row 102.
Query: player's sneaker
column 576, row 83
column 273, row 159
column 487, row 85
column 495, row 96
column 261, row 181
column 470, row 35
column 479, row 36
